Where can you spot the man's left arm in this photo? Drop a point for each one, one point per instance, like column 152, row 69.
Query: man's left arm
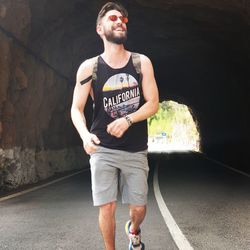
column 151, row 105
column 150, row 92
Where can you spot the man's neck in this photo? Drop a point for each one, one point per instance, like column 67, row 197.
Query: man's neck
column 115, row 55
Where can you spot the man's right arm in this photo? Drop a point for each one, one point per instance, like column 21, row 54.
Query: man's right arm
column 80, row 96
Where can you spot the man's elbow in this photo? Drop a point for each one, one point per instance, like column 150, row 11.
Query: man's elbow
column 156, row 107
column 155, row 104
column 73, row 111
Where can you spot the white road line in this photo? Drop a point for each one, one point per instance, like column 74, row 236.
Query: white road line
column 39, row 187
column 177, row 235
column 223, row 165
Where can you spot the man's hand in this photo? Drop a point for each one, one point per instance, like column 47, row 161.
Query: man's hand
column 118, row 127
column 90, row 142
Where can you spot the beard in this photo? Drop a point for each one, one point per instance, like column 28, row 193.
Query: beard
column 117, row 39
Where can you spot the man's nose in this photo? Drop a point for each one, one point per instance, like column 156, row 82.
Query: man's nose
column 119, row 21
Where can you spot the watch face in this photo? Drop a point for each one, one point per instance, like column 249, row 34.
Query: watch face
column 128, row 120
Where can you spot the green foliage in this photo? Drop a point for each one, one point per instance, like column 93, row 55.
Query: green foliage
column 169, row 117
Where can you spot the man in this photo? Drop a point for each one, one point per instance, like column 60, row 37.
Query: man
column 117, row 140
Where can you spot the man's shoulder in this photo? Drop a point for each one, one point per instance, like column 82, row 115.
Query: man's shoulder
column 143, row 63
column 87, row 65
column 143, row 58
column 92, row 60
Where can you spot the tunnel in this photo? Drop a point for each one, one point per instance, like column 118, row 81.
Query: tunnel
column 199, row 50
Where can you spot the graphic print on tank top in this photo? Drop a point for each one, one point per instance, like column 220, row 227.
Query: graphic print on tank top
column 121, row 95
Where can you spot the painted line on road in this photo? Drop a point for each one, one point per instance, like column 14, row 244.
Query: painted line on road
column 40, row 186
column 177, row 235
column 223, row 165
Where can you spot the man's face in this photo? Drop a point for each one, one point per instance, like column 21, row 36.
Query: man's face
column 115, row 31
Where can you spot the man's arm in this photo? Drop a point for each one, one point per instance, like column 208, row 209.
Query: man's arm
column 150, row 92
column 151, row 96
column 80, row 96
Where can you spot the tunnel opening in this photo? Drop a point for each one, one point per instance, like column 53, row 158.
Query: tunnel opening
column 173, row 128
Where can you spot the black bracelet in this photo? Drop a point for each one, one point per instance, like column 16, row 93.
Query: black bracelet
column 128, row 120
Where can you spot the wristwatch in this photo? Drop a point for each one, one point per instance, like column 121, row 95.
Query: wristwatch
column 128, row 119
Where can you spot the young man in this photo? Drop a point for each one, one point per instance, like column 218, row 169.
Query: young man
column 117, row 141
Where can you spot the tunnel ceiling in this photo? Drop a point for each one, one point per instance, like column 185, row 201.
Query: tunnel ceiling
column 177, row 26
column 199, row 48
column 63, row 32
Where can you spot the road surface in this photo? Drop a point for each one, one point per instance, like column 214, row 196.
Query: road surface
column 209, row 203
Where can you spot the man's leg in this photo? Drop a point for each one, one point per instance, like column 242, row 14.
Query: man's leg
column 137, row 215
column 107, row 224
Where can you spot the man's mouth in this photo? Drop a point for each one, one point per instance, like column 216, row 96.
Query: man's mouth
column 118, row 29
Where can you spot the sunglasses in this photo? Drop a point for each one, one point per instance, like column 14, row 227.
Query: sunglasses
column 114, row 18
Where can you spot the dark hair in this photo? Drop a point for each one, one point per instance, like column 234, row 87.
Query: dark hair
column 111, row 6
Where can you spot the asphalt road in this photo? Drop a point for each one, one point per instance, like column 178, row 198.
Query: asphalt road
column 210, row 204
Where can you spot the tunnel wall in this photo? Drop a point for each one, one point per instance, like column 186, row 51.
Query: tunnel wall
column 34, row 108
column 200, row 53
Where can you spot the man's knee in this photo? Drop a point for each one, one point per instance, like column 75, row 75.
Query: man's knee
column 137, row 209
column 108, row 208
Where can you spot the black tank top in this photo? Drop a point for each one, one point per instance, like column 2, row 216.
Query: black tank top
column 117, row 93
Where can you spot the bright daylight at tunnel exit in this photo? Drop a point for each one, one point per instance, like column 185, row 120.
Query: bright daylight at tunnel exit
column 173, row 128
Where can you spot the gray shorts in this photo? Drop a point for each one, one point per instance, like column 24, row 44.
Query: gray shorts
column 113, row 169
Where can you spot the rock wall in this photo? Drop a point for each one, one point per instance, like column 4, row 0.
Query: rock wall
column 20, row 166
column 35, row 128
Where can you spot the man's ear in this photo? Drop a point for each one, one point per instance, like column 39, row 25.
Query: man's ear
column 99, row 29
